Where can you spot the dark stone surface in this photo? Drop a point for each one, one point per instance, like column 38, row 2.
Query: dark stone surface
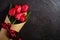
column 44, row 23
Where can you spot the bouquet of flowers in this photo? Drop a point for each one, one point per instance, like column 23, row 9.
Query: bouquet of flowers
column 16, row 18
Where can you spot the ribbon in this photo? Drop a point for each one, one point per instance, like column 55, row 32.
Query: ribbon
column 7, row 26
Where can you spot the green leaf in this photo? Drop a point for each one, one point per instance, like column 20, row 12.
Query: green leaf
column 14, row 22
column 10, row 5
column 28, row 16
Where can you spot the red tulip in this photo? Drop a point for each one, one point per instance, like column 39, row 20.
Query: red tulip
column 18, row 7
column 17, row 16
column 25, row 8
column 12, row 12
column 23, row 18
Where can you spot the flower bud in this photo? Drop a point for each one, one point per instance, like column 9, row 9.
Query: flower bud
column 12, row 12
column 25, row 8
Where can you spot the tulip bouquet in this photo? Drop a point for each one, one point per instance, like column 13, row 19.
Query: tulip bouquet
column 16, row 18
column 19, row 16
column 19, row 13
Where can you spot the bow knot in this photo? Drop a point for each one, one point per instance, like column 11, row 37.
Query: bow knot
column 7, row 27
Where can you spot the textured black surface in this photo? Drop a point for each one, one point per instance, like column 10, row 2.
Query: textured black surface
column 44, row 23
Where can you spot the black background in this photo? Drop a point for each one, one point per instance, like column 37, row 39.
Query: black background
column 44, row 23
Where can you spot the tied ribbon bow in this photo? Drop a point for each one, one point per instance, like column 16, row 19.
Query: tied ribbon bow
column 7, row 27
column 12, row 33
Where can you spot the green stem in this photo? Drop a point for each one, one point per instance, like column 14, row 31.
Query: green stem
column 14, row 21
column 9, row 9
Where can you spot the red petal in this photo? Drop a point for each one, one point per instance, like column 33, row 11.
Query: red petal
column 12, row 12
column 23, row 18
column 18, row 7
column 17, row 16
column 25, row 8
